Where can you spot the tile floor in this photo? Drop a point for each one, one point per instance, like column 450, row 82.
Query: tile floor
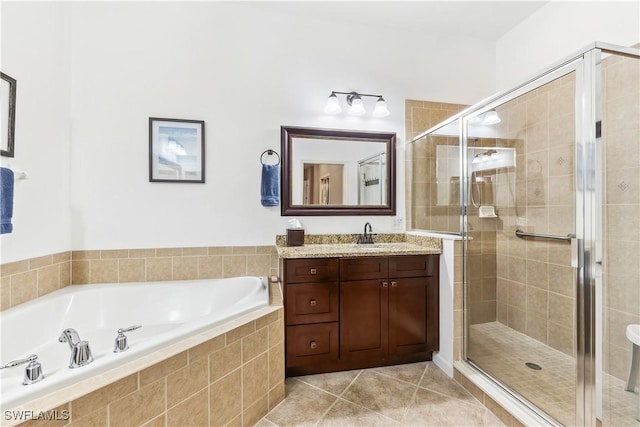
column 417, row 394
column 502, row 352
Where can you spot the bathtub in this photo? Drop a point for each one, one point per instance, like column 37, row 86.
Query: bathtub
column 168, row 312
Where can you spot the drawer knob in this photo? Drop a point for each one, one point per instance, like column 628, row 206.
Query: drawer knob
column 313, row 344
column 312, row 303
column 394, row 284
column 385, row 284
column 312, row 271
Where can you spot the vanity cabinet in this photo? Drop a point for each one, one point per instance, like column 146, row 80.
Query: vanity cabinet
column 350, row 313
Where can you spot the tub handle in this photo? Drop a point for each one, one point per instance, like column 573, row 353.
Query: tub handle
column 121, row 343
column 33, row 371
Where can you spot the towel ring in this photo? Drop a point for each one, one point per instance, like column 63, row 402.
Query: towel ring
column 270, row 153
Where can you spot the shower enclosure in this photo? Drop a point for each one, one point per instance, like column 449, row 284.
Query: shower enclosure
column 542, row 182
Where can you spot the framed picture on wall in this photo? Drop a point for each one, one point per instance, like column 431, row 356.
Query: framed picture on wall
column 8, row 114
column 176, row 150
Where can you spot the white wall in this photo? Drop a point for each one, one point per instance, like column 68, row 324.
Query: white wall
column 35, row 50
column 559, row 29
column 245, row 72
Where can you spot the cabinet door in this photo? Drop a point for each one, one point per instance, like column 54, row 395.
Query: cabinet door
column 413, row 315
column 364, row 319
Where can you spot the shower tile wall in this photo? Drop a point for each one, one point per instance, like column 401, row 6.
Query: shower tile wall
column 621, row 209
column 535, row 283
column 423, row 210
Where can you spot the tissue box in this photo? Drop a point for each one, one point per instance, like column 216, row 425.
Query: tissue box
column 295, row 237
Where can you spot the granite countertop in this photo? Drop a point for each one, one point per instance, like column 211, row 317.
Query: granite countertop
column 344, row 245
column 334, row 250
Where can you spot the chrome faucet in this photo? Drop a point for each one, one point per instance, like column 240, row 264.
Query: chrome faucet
column 80, row 351
column 366, row 238
column 33, row 371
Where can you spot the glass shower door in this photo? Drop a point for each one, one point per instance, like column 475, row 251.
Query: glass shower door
column 618, row 285
column 520, row 225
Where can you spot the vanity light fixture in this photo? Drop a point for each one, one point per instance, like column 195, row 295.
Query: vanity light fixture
column 354, row 100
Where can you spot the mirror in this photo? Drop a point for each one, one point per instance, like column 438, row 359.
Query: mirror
column 337, row 172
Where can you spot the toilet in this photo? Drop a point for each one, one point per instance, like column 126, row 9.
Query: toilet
column 633, row 335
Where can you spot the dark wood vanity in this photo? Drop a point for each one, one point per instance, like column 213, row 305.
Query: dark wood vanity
column 359, row 312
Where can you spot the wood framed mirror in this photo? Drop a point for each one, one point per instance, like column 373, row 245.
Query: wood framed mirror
column 337, row 172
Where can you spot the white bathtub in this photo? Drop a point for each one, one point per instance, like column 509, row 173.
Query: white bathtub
column 167, row 311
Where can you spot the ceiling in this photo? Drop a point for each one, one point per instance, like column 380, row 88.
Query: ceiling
column 478, row 19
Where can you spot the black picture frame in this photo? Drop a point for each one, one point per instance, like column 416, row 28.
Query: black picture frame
column 8, row 90
column 176, row 150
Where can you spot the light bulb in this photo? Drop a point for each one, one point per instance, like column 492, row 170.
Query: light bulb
column 333, row 106
column 491, row 118
column 357, row 107
column 381, row 109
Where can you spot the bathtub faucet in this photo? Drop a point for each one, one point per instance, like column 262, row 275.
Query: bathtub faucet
column 80, row 351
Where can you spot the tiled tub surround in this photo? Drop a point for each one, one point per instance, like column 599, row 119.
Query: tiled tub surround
column 242, row 361
column 27, row 279
column 231, row 374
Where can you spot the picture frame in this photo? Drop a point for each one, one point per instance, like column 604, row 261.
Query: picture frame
column 8, row 89
column 176, row 150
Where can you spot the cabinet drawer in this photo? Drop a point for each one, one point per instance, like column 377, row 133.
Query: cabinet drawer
column 309, row 344
column 412, row 265
column 311, row 270
column 311, row 303
column 364, row 268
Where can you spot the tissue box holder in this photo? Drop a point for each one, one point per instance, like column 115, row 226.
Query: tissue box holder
column 295, row 237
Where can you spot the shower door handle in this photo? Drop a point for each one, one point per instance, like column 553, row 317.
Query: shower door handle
column 577, row 249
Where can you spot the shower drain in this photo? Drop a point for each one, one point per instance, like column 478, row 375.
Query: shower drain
column 533, row 366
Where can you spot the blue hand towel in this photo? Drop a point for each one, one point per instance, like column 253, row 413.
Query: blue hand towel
column 270, row 186
column 6, row 200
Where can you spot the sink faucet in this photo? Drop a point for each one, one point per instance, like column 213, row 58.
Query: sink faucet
column 80, row 351
column 366, row 238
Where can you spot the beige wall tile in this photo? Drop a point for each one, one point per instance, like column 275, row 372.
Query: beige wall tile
column 276, row 365
column 56, row 415
column 204, row 349
column 80, row 272
column 194, row 251
column 258, row 265
column 159, row 269
column 226, row 398
column 255, row 380
column 267, row 319
column 48, row 279
column 5, row 293
column 165, row 252
column 185, row 268
column 61, row 257
column 97, row 418
column 24, row 287
column 187, row 381
column 241, row 332
column 244, row 250
column 210, row 267
column 139, row 406
column 276, row 332
column 562, row 310
column 14, row 268
column 159, row 421
column 104, row 271
column 35, row 263
column 234, row 265
column 163, row 368
column 220, row 250
column 254, row 344
column 224, row 361
column 276, row 395
column 92, row 402
column 252, row 414
column 65, row 274
column 132, row 270
column 79, row 255
column 142, row 253
column 114, row 253
column 191, row 412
